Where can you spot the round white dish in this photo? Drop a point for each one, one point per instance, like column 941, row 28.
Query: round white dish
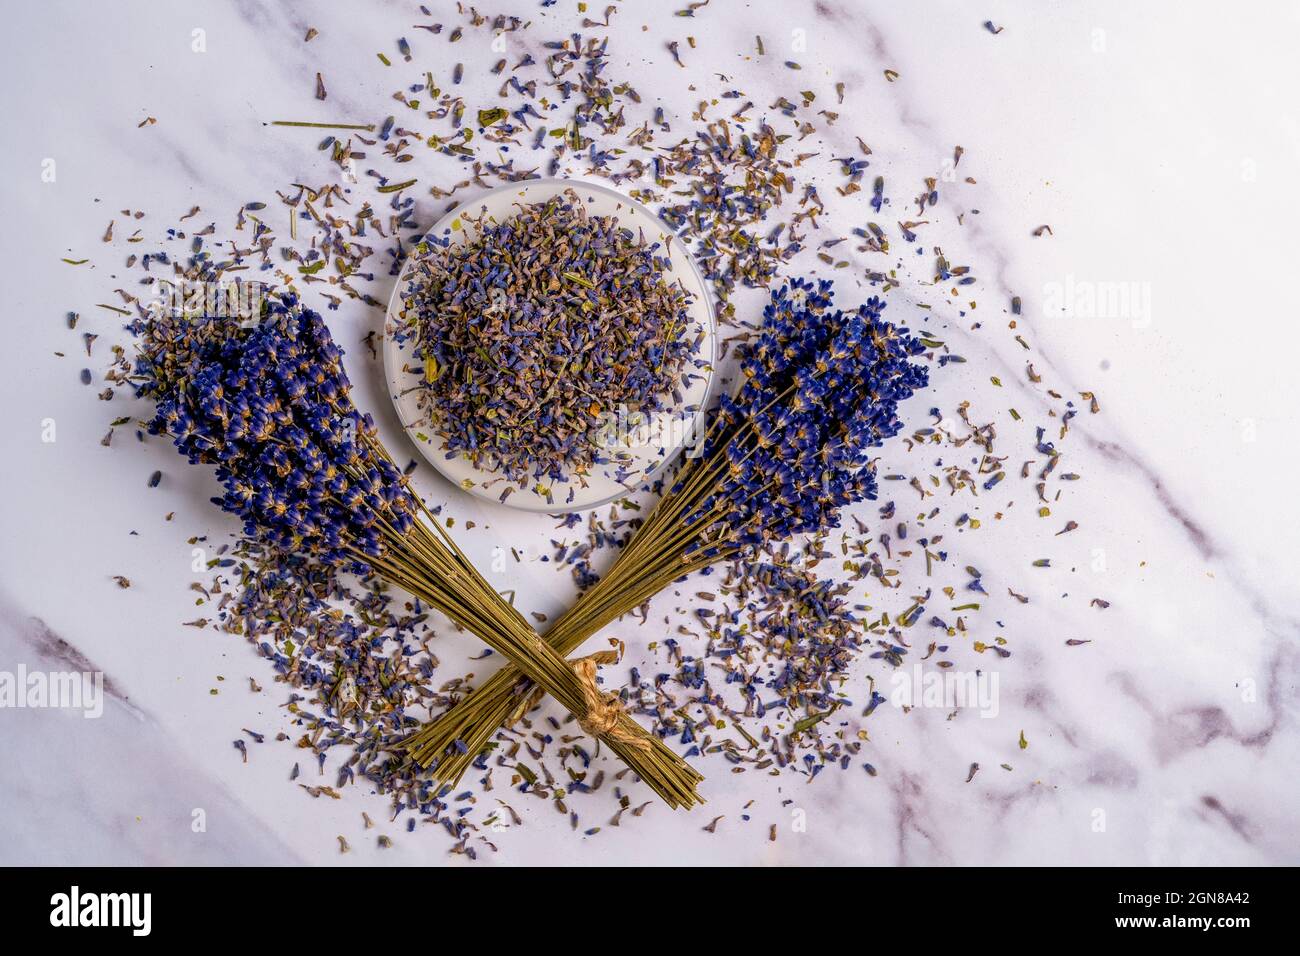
column 642, row 448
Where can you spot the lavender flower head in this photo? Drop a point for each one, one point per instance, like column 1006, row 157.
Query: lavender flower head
column 821, row 389
column 270, row 407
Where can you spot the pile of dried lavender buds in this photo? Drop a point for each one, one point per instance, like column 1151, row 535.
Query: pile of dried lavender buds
column 535, row 330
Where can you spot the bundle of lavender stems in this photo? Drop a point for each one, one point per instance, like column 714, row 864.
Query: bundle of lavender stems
column 269, row 405
column 820, row 389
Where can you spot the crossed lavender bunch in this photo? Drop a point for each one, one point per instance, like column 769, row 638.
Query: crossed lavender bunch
column 784, row 455
column 270, row 407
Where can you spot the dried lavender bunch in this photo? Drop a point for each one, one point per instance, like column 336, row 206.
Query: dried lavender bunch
column 537, row 329
column 821, row 389
column 270, row 407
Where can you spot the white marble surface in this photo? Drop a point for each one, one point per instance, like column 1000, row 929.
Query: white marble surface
column 1159, row 141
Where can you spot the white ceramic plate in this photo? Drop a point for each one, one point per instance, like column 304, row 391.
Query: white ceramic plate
column 641, row 449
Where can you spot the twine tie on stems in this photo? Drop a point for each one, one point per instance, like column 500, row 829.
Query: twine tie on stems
column 604, row 710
